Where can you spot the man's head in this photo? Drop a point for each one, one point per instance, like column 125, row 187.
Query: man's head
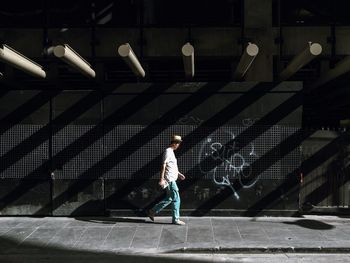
column 175, row 141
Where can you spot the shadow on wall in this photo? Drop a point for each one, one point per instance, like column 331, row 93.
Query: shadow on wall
column 327, row 175
column 118, row 155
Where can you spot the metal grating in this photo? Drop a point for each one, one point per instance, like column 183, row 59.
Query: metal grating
column 237, row 159
column 15, row 142
column 122, row 153
column 141, row 152
column 292, row 161
column 76, row 149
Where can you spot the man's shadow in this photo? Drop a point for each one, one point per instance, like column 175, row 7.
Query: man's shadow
column 114, row 220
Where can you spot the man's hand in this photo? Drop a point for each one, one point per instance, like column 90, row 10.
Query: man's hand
column 162, row 182
column 182, row 177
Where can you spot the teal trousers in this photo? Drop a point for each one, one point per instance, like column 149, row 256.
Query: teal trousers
column 173, row 198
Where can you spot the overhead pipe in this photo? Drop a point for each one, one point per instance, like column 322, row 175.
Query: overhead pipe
column 247, row 58
column 21, row 62
column 128, row 55
column 304, row 57
column 72, row 58
column 188, row 59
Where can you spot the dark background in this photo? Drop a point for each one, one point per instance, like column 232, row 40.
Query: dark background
column 70, row 145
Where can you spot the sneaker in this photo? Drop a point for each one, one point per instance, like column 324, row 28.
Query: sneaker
column 151, row 214
column 179, row 222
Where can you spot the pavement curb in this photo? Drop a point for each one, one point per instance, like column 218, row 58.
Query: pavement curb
column 256, row 250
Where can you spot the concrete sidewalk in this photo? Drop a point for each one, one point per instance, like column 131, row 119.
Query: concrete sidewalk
column 30, row 237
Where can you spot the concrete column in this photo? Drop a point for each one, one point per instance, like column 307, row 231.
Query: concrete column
column 258, row 29
column 149, row 12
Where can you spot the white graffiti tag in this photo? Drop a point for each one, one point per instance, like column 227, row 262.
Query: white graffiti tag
column 231, row 163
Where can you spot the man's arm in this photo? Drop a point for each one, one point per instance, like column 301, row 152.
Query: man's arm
column 162, row 173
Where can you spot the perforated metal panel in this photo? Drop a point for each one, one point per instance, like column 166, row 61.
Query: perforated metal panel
column 239, row 154
column 22, row 152
column 136, row 153
column 237, row 151
column 76, row 149
column 291, row 162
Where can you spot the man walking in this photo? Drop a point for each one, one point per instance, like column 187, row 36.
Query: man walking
column 168, row 176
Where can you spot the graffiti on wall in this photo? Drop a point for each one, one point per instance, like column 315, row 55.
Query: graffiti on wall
column 233, row 162
column 190, row 120
column 249, row 121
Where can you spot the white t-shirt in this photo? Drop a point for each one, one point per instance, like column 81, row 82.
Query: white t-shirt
column 171, row 169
